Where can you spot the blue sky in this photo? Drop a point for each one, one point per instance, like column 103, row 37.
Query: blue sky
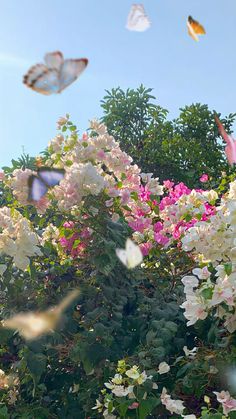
column 165, row 58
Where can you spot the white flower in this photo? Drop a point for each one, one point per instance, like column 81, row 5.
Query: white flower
column 202, row 273
column 133, row 372
column 121, row 391
column 174, row 406
column 189, row 282
column 163, row 368
column 98, row 406
column 117, row 379
column 195, row 309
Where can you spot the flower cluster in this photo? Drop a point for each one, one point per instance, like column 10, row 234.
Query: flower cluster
column 125, row 383
column 165, row 222
column 227, row 402
column 19, row 185
column 74, row 241
column 17, row 238
column 213, row 245
column 174, row 406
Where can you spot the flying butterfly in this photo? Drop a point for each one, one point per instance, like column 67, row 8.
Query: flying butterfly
column 131, row 256
column 195, row 28
column 32, row 325
column 55, row 75
column 137, row 19
column 46, row 178
column 230, row 149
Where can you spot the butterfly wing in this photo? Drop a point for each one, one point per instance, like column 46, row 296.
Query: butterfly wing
column 51, row 177
column 54, row 60
column 121, row 254
column 195, row 28
column 134, row 254
column 70, row 71
column 137, row 19
column 42, row 79
column 37, row 188
column 230, row 149
column 29, row 325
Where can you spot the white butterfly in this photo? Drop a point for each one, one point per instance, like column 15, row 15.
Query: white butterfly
column 131, row 256
column 55, row 75
column 137, row 19
column 33, row 325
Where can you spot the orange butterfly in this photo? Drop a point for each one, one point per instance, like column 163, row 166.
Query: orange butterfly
column 194, row 28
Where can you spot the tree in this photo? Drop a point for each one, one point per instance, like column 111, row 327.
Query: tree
column 181, row 149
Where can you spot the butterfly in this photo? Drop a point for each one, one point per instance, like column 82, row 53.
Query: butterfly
column 32, row 325
column 137, row 19
column 131, row 256
column 55, row 75
column 194, row 28
column 230, row 149
column 45, row 179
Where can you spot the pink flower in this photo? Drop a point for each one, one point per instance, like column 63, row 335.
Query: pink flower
column 69, row 224
column 125, row 196
column 134, row 405
column 165, row 202
column 145, row 248
column 228, row 403
column 140, row 224
column 101, row 155
column 144, row 194
column 86, row 233
column 2, row 176
column 42, row 204
column 179, row 190
column 204, row 178
column 160, row 239
column 157, row 227
column 168, row 184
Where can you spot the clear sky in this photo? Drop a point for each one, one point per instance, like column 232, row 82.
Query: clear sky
column 180, row 70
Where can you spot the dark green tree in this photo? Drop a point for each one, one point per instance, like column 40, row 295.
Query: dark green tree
column 181, row 149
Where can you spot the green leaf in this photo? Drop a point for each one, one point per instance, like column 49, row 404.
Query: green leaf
column 123, row 407
column 183, row 370
column 3, row 412
column 228, row 268
column 146, row 407
column 36, row 363
column 207, row 293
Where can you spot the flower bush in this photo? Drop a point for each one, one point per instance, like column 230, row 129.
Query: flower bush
column 155, row 341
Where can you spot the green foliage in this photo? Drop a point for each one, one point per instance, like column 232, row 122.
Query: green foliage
column 120, row 314
column 180, row 150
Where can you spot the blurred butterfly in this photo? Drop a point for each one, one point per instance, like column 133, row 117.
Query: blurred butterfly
column 230, row 149
column 32, row 325
column 194, row 28
column 131, row 256
column 55, row 75
column 46, row 178
column 137, row 19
